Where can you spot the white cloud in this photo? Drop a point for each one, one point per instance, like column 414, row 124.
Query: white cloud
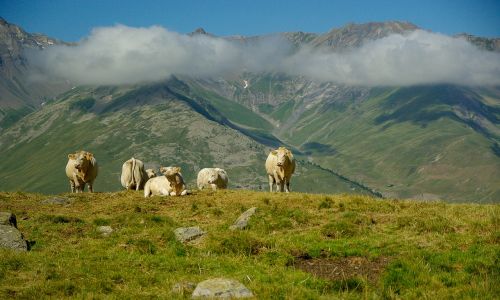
column 121, row 54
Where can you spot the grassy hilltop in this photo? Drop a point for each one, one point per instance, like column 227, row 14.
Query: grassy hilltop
column 297, row 246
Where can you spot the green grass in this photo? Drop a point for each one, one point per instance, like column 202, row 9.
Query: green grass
column 434, row 250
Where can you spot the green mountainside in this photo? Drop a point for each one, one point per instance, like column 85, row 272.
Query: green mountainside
column 424, row 142
column 160, row 124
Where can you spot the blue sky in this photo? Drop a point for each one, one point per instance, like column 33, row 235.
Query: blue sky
column 72, row 20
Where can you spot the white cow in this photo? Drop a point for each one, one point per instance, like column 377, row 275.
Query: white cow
column 133, row 174
column 280, row 165
column 215, row 178
column 81, row 169
column 170, row 184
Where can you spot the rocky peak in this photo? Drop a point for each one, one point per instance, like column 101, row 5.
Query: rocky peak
column 200, row 31
column 489, row 44
column 354, row 35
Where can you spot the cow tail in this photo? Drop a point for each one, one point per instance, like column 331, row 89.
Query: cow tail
column 133, row 173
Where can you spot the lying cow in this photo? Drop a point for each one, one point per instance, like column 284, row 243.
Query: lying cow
column 81, row 169
column 133, row 174
column 280, row 165
column 170, row 184
column 212, row 177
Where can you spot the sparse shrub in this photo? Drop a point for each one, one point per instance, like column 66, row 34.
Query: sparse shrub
column 217, row 212
column 101, row 222
column 239, row 243
column 143, row 246
column 428, row 224
column 341, row 206
column 266, row 200
column 350, row 284
column 162, row 220
column 194, row 206
column 399, row 275
column 326, row 203
column 61, row 219
column 339, row 229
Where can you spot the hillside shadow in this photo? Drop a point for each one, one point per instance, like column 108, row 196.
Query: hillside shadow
column 424, row 104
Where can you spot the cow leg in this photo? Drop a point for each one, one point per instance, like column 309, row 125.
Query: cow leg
column 91, row 188
column 271, row 182
column 281, row 185
column 72, row 185
column 82, row 187
column 287, row 188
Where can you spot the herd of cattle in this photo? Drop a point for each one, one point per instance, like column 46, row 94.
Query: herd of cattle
column 82, row 168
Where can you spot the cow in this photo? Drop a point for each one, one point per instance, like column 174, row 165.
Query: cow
column 170, row 184
column 133, row 174
column 212, row 177
column 151, row 173
column 81, row 169
column 280, row 165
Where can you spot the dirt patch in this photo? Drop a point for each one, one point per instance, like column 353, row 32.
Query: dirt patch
column 343, row 268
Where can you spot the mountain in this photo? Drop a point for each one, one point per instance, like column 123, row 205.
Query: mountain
column 19, row 93
column 163, row 124
column 423, row 142
column 354, row 35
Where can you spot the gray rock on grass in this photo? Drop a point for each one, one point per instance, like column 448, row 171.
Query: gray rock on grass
column 242, row 221
column 221, row 288
column 105, row 230
column 8, row 218
column 186, row 234
column 10, row 236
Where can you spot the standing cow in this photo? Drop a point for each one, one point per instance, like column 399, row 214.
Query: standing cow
column 280, row 165
column 133, row 174
column 215, row 178
column 81, row 169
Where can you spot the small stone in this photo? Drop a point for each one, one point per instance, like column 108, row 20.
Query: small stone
column 183, row 287
column 105, row 230
column 221, row 288
column 242, row 221
column 56, row 200
column 12, row 238
column 8, row 218
column 186, row 234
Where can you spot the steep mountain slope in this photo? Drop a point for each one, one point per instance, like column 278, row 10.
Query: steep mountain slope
column 20, row 93
column 158, row 123
column 425, row 142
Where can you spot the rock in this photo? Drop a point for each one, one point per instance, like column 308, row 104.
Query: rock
column 105, row 230
column 221, row 288
column 12, row 238
column 186, row 234
column 242, row 221
column 56, row 200
column 8, row 218
column 183, row 287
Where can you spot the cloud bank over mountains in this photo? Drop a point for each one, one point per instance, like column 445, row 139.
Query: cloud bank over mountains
column 121, row 55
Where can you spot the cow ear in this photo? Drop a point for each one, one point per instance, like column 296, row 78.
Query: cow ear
column 177, row 169
column 71, row 156
column 89, row 155
column 274, row 152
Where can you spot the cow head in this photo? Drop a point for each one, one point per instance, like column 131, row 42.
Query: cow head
column 172, row 174
column 82, row 159
column 151, row 173
column 282, row 154
column 212, row 176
